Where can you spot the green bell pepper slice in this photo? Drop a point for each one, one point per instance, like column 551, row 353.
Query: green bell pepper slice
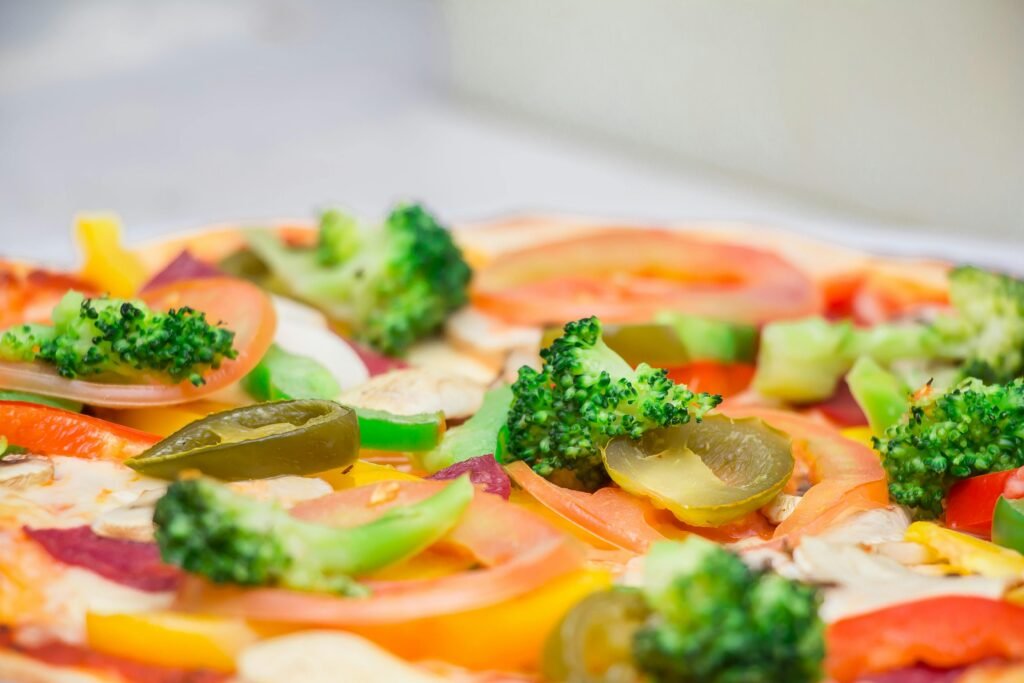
column 1008, row 523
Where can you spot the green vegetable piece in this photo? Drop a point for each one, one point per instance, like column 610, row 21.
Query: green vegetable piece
column 52, row 401
column 585, row 396
column 383, row 431
column 706, row 474
column 477, row 436
column 392, row 285
column 206, row 528
column 882, row 396
column 282, row 375
column 714, row 620
column 258, row 441
column 121, row 339
column 655, row 344
column 710, row 339
column 801, row 361
column 594, row 642
column 1008, row 523
column 970, row 429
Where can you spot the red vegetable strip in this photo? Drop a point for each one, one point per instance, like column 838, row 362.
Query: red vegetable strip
column 185, row 266
column 942, row 632
column 376, row 363
column 483, row 471
column 52, row 431
column 128, row 563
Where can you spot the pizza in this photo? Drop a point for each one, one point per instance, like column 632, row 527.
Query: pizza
column 535, row 449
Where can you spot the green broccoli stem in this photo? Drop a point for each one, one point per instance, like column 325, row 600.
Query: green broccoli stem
column 477, row 436
column 882, row 396
column 802, row 361
column 400, row 533
column 281, row 375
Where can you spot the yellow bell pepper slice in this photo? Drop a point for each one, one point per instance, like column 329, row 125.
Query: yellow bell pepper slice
column 163, row 420
column 108, row 265
column 859, row 434
column 966, row 552
column 170, row 639
column 363, row 473
column 505, row 637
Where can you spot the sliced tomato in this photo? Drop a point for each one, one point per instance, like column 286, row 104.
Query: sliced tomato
column 972, row 502
column 28, row 294
column 845, row 476
column 893, row 288
column 625, row 275
column 621, row 519
column 943, row 632
column 726, row 379
column 517, row 550
column 52, row 431
column 240, row 306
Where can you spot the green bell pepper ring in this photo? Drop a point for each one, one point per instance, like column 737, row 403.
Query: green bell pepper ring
column 383, row 431
column 1008, row 523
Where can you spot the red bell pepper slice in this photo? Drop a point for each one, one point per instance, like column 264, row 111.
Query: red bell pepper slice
column 52, row 431
column 943, row 632
column 971, row 502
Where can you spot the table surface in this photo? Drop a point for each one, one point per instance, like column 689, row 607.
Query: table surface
column 177, row 114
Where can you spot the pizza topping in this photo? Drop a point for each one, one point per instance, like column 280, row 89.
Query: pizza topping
column 701, row 614
column 415, row 391
column 230, row 538
column 318, row 656
column 624, row 275
column 483, row 470
column 971, row 429
column 23, row 471
column 252, row 442
column 120, row 341
column 53, row 431
column 391, row 285
column 185, row 266
column 706, row 474
column 585, row 396
column 126, row 562
column 944, row 632
column 802, row 361
column 384, row 431
column 477, row 436
column 122, row 332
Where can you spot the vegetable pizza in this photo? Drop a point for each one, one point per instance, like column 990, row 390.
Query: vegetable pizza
column 537, row 449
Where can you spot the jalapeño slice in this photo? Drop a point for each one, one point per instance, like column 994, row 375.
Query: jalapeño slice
column 258, row 441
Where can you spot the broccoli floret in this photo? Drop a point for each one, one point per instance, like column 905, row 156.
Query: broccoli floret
column 206, row 528
column 123, row 339
column 971, row 429
column 714, row 620
column 586, row 395
column 803, row 360
column 391, row 285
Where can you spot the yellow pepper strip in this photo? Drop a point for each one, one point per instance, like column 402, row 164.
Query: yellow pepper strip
column 170, row 639
column 163, row 420
column 506, row 637
column 967, row 552
column 108, row 265
column 859, row 434
column 363, row 473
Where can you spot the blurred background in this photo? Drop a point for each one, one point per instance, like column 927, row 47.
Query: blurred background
column 893, row 125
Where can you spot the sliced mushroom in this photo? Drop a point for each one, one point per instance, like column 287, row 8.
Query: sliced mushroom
column 418, row 390
column 488, row 338
column 22, row 471
column 325, row 657
column 130, row 522
column 440, row 356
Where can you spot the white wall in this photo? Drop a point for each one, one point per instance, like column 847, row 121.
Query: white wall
column 913, row 109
